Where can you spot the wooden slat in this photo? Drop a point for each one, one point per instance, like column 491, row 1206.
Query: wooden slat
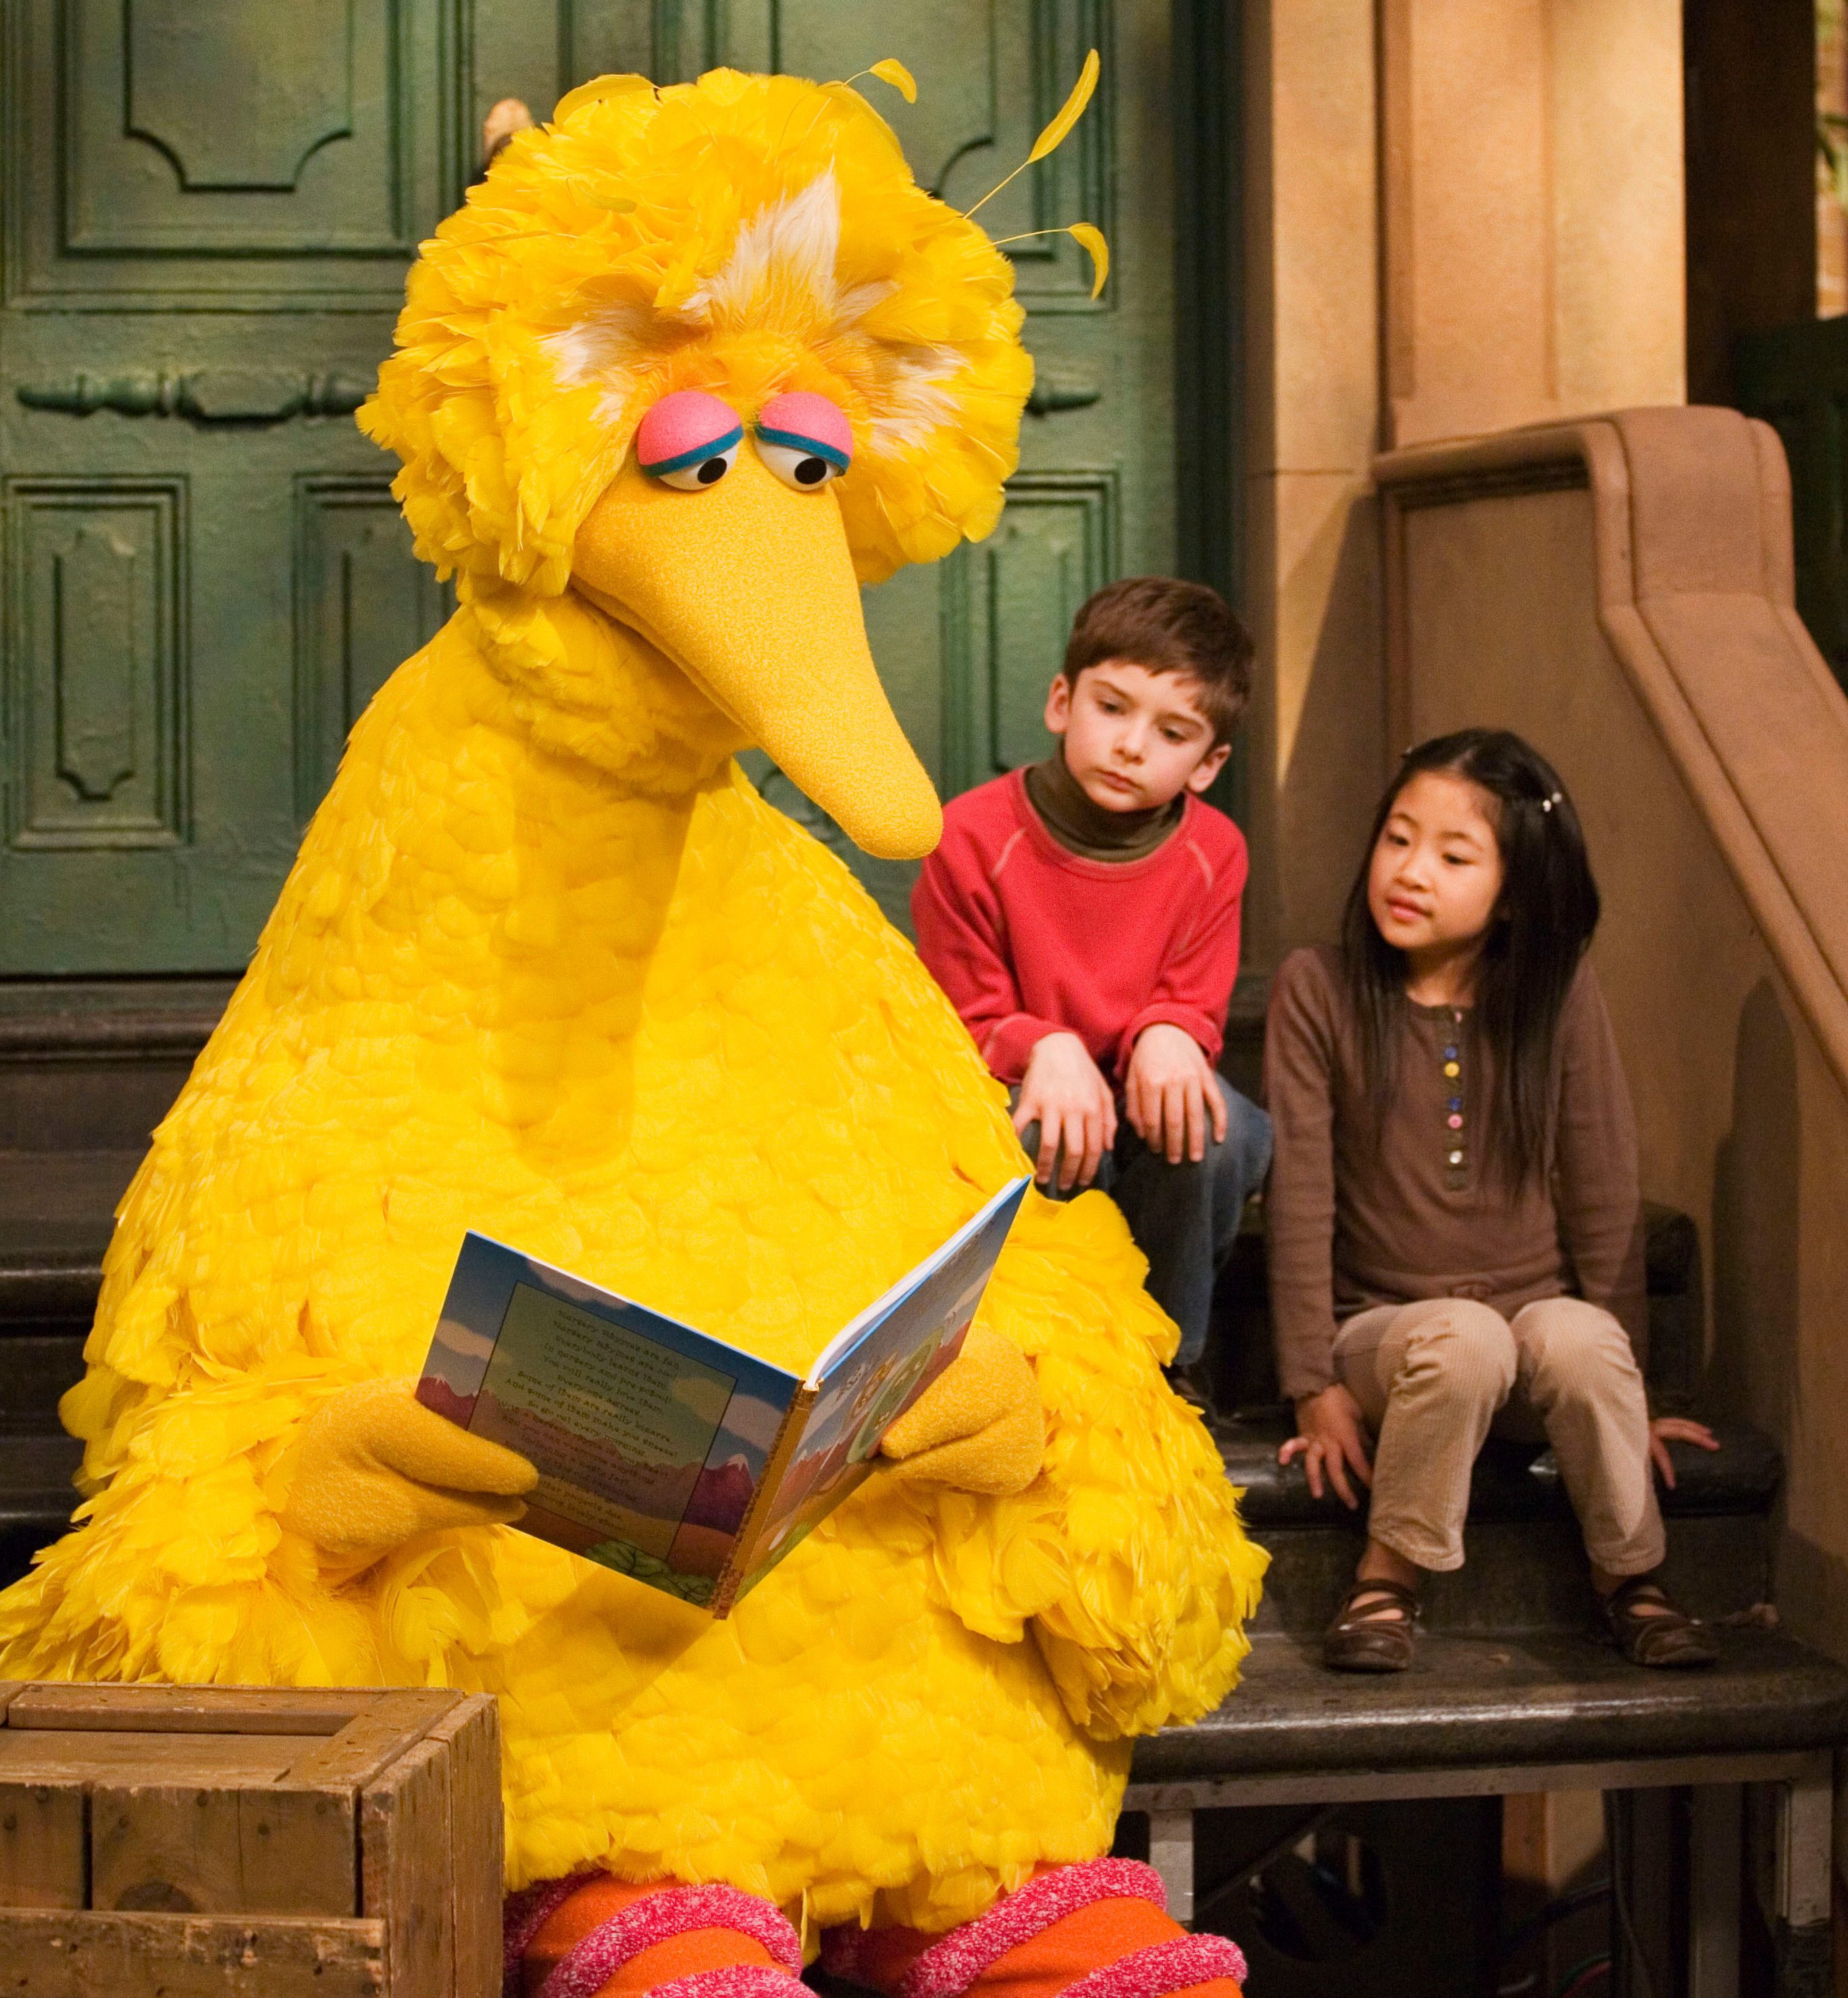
column 90, row 1955
column 189, row 1709
column 158, row 1848
column 9, row 1690
column 42, row 1755
column 188, row 1848
column 404, row 1834
column 300, row 1851
column 43, row 1846
column 367, row 1744
column 471, row 1734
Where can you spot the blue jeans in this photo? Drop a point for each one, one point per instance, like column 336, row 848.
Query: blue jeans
column 1185, row 1218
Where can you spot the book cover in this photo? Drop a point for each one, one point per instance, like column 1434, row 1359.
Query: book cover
column 668, row 1454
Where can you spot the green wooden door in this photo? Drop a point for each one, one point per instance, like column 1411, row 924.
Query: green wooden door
column 210, row 205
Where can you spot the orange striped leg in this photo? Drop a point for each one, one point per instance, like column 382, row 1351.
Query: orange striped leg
column 1100, row 1930
column 595, row 1937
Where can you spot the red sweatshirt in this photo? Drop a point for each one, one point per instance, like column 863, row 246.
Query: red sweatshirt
column 1029, row 940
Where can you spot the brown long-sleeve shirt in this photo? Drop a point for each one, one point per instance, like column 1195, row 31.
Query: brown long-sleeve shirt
column 1358, row 1217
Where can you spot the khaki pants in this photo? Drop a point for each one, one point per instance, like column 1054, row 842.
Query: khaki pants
column 1433, row 1378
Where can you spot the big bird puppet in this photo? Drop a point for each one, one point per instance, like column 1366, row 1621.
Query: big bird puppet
column 691, row 364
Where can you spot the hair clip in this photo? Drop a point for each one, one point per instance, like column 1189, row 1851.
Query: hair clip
column 1547, row 804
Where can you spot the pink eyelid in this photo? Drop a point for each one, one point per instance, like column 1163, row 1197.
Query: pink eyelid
column 679, row 425
column 801, row 412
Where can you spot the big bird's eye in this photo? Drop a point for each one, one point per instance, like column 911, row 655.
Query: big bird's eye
column 689, row 440
column 804, row 439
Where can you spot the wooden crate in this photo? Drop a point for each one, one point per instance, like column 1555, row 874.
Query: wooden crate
column 217, row 1842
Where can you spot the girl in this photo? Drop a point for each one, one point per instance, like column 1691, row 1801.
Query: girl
column 1455, row 1230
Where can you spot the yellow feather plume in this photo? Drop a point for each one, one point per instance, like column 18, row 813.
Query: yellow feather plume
column 1070, row 112
column 1087, row 233
column 1092, row 237
column 890, row 70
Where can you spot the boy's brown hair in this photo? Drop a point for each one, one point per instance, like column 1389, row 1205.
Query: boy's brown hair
column 1168, row 626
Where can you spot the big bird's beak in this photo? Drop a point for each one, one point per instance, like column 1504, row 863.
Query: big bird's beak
column 748, row 588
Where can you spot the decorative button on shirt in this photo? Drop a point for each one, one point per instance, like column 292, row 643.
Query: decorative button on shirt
column 1456, row 1177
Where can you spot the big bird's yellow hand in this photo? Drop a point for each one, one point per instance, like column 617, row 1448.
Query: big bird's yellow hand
column 980, row 1426
column 374, row 1467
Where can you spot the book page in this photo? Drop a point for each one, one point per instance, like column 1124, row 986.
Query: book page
column 619, row 1426
column 649, row 1437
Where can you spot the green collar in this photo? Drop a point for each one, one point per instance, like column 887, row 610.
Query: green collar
column 1085, row 828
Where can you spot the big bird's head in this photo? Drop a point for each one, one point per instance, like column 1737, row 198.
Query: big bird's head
column 706, row 359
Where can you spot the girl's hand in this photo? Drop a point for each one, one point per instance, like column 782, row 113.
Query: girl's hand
column 1170, row 1094
column 1065, row 1094
column 1332, row 1436
column 1666, row 1430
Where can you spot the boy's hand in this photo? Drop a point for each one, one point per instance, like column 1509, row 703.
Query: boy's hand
column 1171, row 1092
column 1065, row 1094
column 1331, row 1438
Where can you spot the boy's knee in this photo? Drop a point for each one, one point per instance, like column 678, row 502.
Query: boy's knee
column 1245, row 1147
column 1238, row 1162
column 1469, row 1346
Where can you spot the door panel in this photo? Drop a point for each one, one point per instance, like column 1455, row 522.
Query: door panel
column 97, row 586
column 210, row 206
column 1008, row 604
column 209, row 209
column 227, row 152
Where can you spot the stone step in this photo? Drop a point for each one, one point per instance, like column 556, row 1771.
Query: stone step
column 36, row 1496
column 1499, row 1698
column 91, row 1065
column 1513, row 1482
column 1529, row 1576
column 1524, row 1569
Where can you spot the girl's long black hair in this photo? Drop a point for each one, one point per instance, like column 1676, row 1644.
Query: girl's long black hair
column 1544, row 920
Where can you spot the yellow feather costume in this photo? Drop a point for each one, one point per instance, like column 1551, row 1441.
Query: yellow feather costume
column 547, row 966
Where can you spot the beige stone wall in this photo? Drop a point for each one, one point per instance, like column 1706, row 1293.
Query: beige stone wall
column 1532, row 211
column 1459, row 218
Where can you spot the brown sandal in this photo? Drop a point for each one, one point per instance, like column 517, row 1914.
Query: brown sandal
column 1662, row 1636
column 1362, row 1640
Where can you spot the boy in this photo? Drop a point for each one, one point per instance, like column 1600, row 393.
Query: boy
column 1083, row 915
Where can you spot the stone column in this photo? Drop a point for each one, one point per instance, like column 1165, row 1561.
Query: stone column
column 1311, row 428
column 1460, row 215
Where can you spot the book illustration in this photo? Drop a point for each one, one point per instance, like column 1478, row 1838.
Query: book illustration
column 670, row 1456
column 648, row 1452
column 889, row 1389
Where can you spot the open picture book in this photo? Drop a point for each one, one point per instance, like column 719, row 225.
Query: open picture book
column 666, row 1453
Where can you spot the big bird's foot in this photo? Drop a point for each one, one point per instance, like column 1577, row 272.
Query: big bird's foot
column 1100, row 1930
column 593, row 1936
